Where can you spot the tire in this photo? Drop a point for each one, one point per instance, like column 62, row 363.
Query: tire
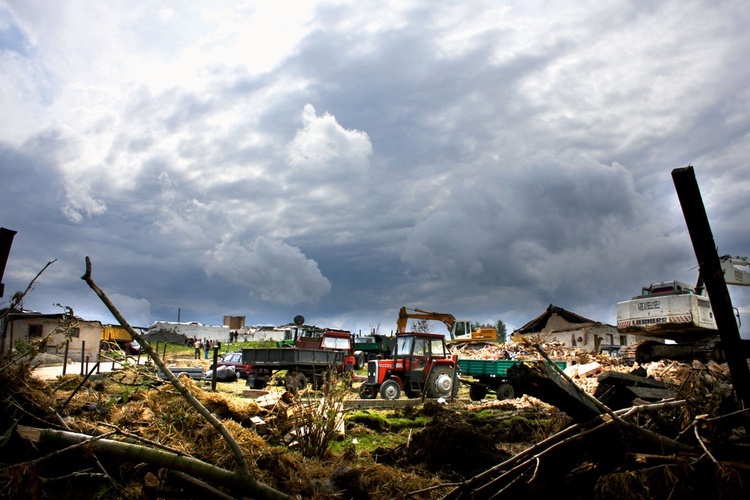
column 477, row 392
column 359, row 361
column 441, row 383
column 295, row 383
column 505, row 391
column 255, row 383
column 390, row 390
column 367, row 392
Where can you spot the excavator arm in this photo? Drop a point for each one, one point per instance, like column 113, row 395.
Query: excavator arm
column 736, row 270
column 405, row 314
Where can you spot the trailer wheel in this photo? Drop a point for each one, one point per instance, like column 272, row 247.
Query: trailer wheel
column 441, row 383
column 295, row 383
column 390, row 390
column 505, row 391
column 477, row 392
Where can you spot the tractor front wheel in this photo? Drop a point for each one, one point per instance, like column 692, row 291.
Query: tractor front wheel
column 390, row 390
column 441, row 383
column 367, row 392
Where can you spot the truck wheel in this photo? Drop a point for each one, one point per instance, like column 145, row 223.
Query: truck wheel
column 256, row 383
column 505, row 391
column 359, row 361
column 390, row 390
column 441, row 383
column 477, row 392
column 295, row 383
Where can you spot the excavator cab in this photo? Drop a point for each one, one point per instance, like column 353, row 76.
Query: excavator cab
column 462, row 330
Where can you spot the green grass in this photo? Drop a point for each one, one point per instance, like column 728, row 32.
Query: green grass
column 175, row 349
column 368, row 442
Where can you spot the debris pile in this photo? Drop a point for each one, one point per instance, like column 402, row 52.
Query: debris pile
column 665, row 430
column 658, row 429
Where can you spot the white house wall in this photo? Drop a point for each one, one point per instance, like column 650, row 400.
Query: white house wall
column 89, row 334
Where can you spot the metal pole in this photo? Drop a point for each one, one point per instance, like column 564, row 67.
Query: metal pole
column 710, row 269
column 213, row 375
column 83, row 355
column 65, row 357
column 98, row 357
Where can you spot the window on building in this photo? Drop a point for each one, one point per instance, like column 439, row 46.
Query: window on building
column 75, row 332
column 610, row 339
column 623, row 340
column 35, row 331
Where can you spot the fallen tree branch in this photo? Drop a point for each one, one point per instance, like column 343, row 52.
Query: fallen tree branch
column 142, row 439
column 237, row 481
column 239, row 455
column 61, row 451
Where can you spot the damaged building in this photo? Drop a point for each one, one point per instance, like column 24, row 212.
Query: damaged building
column 573, row 330
column 82, row 336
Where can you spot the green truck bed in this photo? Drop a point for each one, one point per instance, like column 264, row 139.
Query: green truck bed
column 492, row 367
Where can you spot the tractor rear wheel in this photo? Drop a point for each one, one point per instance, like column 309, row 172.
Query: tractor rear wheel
column 441, row 383
column 390, row 390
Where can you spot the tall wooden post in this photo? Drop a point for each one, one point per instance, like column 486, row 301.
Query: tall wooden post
column 6, row 240
column 710, row 268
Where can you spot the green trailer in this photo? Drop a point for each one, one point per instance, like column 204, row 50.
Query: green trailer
column 490, row 376
column 371, row 347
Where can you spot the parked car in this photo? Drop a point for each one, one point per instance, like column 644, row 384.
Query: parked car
column 235, row 359
column 133, row 347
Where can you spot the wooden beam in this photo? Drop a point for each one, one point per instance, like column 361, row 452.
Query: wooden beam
column 710, row 268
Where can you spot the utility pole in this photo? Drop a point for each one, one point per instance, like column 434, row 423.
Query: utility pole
column 710, row 270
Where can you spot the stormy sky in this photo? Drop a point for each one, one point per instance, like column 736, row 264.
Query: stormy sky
column 342, row 159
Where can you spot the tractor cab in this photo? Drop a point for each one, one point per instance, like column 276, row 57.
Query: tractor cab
column 419, row 363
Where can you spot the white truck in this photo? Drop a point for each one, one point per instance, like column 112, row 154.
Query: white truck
column 676, row 311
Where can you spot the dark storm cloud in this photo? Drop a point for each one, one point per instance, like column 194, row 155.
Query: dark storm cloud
column 484, row 160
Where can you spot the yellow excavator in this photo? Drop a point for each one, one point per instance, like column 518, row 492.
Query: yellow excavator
column 459, row 330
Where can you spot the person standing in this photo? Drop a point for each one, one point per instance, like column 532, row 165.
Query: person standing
column 207, row 347
column 198, row 345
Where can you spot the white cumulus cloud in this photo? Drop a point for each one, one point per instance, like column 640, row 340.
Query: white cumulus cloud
column 271, row 270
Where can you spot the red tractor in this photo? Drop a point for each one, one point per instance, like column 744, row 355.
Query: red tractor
column 420, row 364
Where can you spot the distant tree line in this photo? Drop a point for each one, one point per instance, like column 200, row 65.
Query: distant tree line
column 502, row 331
